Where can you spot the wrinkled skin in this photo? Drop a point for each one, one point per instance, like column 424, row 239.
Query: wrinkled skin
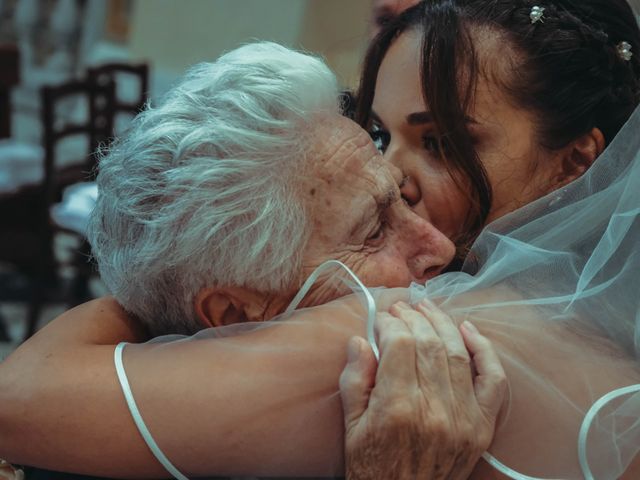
column 436, row 416
column 359, row 217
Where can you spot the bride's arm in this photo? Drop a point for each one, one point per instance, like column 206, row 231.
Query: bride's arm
column 60, row 403
column 62, row 408
column 265, row 402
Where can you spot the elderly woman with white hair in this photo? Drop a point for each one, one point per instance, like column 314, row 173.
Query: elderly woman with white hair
column 237, row 179
column 550, row 284
column 212, row 211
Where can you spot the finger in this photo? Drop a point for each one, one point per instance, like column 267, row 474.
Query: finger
column 357, row 380
column 446, row 329
column 490, row 384
column 386, row 297
column 458, row 359
column 414, row 319
column 431, row 360
column 396, row 370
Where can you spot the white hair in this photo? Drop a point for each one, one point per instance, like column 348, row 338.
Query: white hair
column 203, row 190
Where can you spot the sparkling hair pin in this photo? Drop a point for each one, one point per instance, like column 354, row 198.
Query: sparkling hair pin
column 537, row 14
column 624, row 51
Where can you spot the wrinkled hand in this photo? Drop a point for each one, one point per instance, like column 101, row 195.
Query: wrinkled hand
column 423, row 413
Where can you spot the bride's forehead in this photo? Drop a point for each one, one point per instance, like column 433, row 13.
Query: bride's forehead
column 399, row 78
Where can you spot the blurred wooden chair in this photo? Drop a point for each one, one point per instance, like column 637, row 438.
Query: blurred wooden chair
column 26, row 243
column 122, row 74
column 9, row 77
column 131, row 83
column 97, row 128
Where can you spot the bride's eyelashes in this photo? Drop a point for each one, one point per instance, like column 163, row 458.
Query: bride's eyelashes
column 431, row 143
column 380, row 137
column 434, row 144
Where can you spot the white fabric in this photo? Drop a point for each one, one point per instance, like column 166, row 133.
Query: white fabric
column 554, row 285
column 78, row 201
column 21, row 165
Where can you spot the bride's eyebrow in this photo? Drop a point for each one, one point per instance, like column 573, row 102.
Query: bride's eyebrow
column 421, row 118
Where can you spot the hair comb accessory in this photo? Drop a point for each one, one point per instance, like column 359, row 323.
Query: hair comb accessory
column 624, row 51
column 537, row 14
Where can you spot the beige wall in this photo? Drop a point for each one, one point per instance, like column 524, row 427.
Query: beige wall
column 338, row 30
column 173, row 34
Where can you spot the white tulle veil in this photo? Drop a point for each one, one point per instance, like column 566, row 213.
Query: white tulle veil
column 555, row 285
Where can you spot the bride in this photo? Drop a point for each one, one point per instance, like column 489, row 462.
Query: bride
column 553, row 284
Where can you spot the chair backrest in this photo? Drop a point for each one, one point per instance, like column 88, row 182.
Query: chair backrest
column 27, row 234
column 110, row 72
column 97, row 126
column 9, row 77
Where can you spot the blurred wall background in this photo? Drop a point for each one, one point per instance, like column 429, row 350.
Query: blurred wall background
column 173, row 34
column 59, row 39
column 54, row 42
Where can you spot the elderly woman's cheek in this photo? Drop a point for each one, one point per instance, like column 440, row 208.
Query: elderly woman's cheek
column 388, row 268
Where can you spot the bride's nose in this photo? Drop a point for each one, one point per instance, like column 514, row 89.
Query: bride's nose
column 410, row 191
column 409, row 188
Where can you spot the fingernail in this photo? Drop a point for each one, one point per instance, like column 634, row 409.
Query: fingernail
column 425, row 303
column 470, row 327
column 353, row 350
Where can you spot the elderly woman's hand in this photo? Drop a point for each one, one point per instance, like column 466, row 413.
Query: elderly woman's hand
column 424, row 413
column 7, row 472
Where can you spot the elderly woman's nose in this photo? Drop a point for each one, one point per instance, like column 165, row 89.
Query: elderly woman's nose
column 431, row 250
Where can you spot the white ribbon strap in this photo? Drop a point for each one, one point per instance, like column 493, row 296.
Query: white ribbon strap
column 582, row 437
column 371, row 303
column 509, row 472
column 137, row 418
column 588, row 420
column 371, row 316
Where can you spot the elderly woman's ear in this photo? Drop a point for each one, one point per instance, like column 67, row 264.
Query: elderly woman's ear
column 218, row 306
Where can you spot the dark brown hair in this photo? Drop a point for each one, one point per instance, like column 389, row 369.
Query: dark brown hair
column 566, row 70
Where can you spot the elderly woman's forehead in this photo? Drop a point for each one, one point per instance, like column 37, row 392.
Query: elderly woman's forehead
column 342, row 144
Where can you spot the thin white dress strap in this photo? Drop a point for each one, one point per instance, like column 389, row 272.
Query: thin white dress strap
column 137, row 418
column 358, row 288
column 582, row 437
column 588, row 421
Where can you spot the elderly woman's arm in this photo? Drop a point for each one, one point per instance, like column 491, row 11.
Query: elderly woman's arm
column 254, row 411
